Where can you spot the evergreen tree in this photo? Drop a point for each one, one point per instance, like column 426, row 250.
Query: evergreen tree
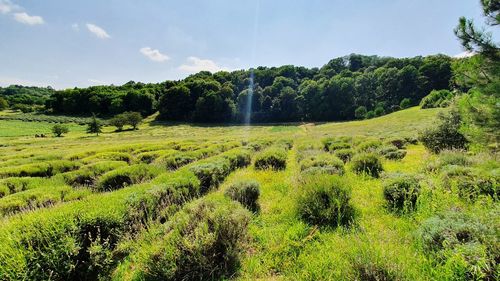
column 94, row 127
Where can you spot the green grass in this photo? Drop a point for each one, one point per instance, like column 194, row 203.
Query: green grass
column 279, row 246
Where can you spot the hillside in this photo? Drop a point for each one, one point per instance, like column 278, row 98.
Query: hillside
column 103, row 206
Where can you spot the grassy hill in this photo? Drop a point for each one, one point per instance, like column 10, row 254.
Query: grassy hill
column 151, row 203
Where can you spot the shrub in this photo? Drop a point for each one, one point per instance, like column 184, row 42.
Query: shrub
column 58, row 130
column 396, row 155
column 125, row 176
column 401, row 192
column 271, row 158
column 118, row 121
column 110, row 156
column 211, row 173
column 456, row 236
column 449, row 157
column 436, row 98
column 245, row 192
column 405, row 103
column 326, row 163
column 344, row 154
column 445, row 135
column 176, row 160
column 397, row 142
column 325, row 201
column 327, row 142
column 360, row 112
column 202, row 242
column 338, row 145
column 369, row 145
column 471, row 182
column 370, row 114
column 367, row 163
column 238, row 158
column 41, row 169
column 87, row 175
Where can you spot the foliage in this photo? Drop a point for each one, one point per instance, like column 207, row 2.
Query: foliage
column 441, row 98
column 94, row 126
column 401, row 192
column 122, row 177
column 271, row 158
column 367, row 163
column 59, row 130
column 325, row 201
column 245, row 192
column 344, row 154
column 3, row 103
column 446, row 134
column 322, row 163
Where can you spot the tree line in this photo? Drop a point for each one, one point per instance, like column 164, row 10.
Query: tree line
column 349, row 87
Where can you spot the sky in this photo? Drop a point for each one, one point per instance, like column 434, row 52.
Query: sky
column 65, row 44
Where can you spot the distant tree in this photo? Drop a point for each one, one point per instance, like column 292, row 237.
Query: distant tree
column 370, row 114
column 175, row 103
column 360, row 112
column 59, row 130
column 405, row 103
column 94, row 127
column 3, row 104
column 446, row 134
column 118, row 121
column 379, row 111
column 133, row 119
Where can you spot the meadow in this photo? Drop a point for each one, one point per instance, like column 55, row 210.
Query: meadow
column 358, row 200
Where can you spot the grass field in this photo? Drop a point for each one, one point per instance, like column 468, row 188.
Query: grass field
column 130, row 205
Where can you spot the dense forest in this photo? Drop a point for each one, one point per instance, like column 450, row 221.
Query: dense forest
column 349, row 87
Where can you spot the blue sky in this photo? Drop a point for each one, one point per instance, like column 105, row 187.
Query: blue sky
column 65, row 43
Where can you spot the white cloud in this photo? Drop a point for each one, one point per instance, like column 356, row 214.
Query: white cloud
column 75, row 27
column 98, row 31
column 97, row 82
column 6, row 6
column 195, row 65
column 154, row 54
column 27, row 19
column 465, row 54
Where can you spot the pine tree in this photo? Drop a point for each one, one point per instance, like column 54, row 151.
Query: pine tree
column 94, row 127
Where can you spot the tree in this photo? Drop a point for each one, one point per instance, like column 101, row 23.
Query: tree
column 3, row 103
column 405, row 103
column 94, row 127
column 133, row 119
column 59, row 130
column 446, row 134
column 118, row 121
column 175, row 103
column 360, row 112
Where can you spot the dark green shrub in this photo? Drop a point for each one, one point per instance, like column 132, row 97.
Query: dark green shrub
column 446, row 134
column 271, row 158
column 405, row 103
column 324, row 162
column 202, row 242
column 325, row 201
column 238, row 158
column 396, row 155
column 367, row 163
column 175, row 161
column 471, row 182
column 58, row 130
column 245, row 192
column 397, row 142
column 344, row 154
column 126, row 176
column 401, row 192
column 360, row 112
column 370, row 114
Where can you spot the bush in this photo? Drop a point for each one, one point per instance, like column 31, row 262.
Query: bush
column 41, row 169
column 436, row 98
column 367, row 163
column 238, row 158
column 360, row 112
column 325, row 201
column 449, row 157
column 445, row 135
column 392, row 153
column 338, row 145
column 369, row 145
column 126, row 176
column 463, row 242
column 110, row 156
column 370, row 114
column 211, row 173
column 202, row 242
column 271, row 158
column 245, row 192
column 87, row 175
column 58, row 130
column 327, row 142
column 118, row 121
column 471, row 182
column 405, row 103
column 397, row 142
column 344, row 154
column 401, row 192
column 324, row 162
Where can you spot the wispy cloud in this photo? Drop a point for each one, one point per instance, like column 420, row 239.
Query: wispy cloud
column 98, row 31
column 97, row 82
column 75, row 27
column 154, row 54
column 6, row 6
column 195, row 64
column 27, row 19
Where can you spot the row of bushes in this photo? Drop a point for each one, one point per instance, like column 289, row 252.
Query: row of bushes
column 78, row 240
column 40, row 169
